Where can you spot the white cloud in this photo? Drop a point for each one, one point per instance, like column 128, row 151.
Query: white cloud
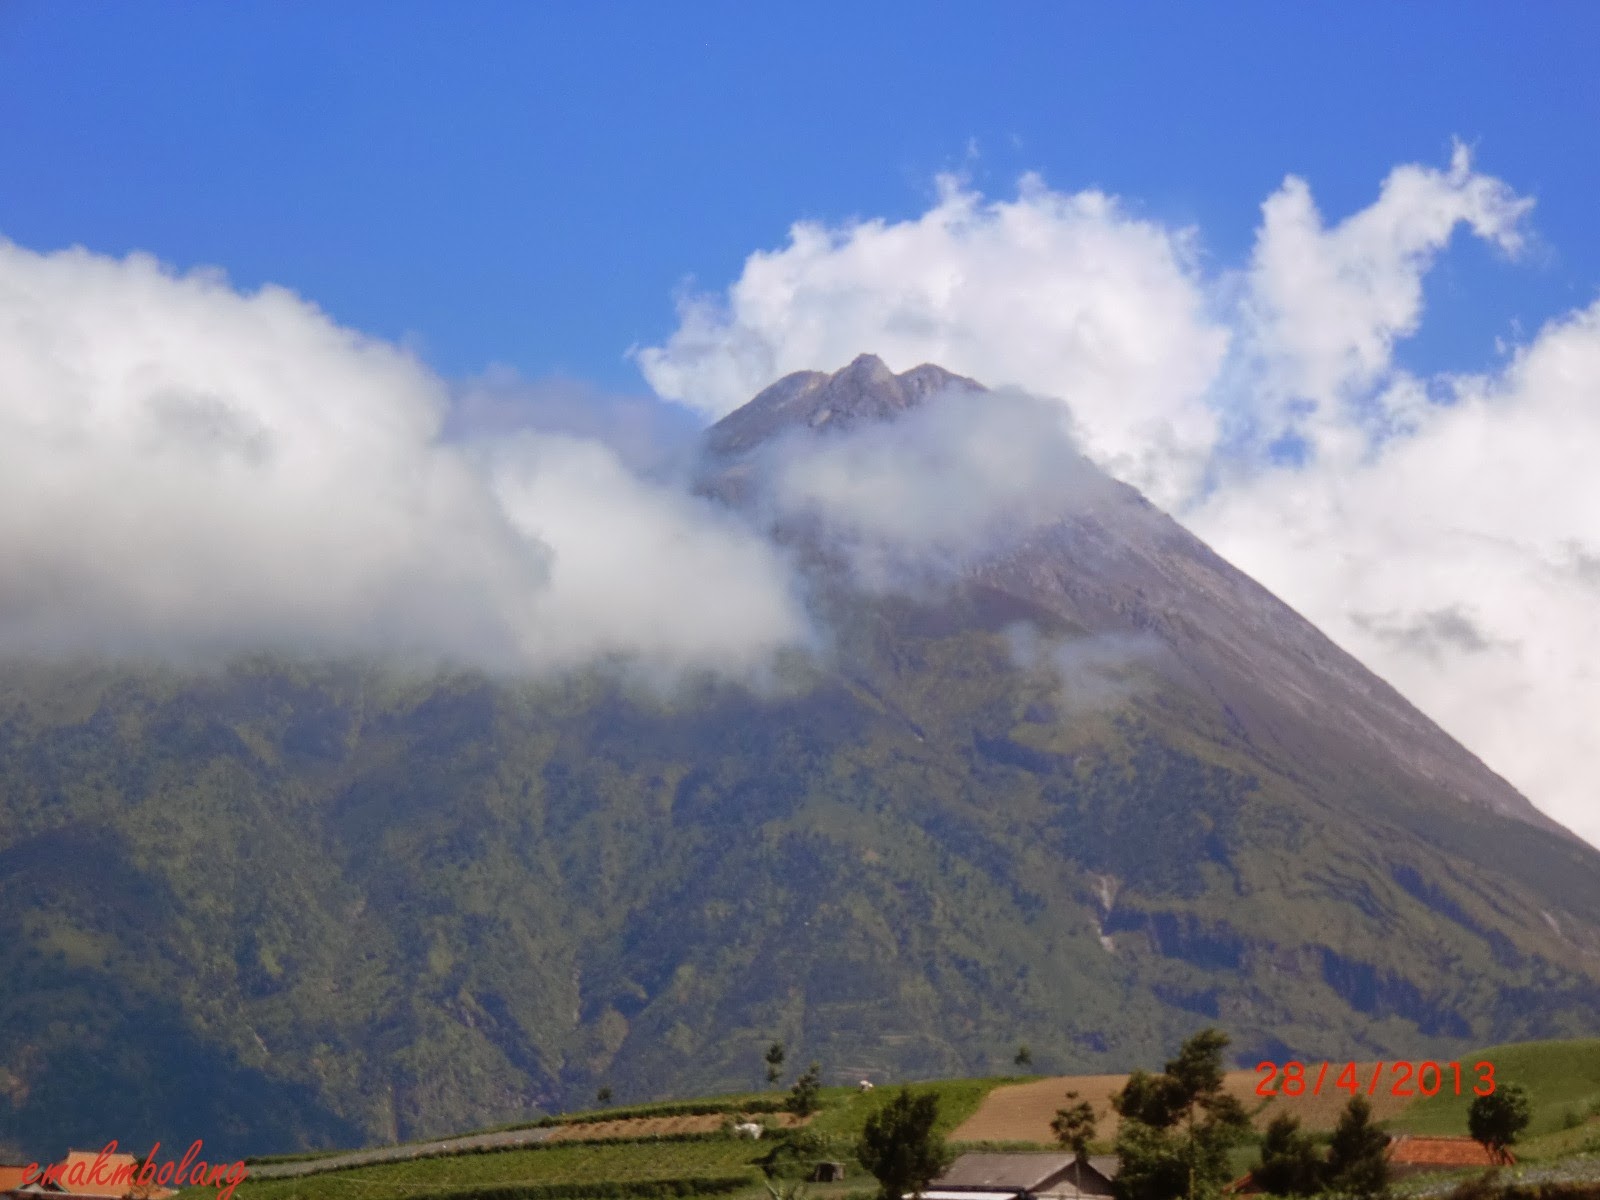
column 1097, row 672
column 1065, row 296
column 959, row 475
column 1453, row 546
column 639, row 569
column 1462, row 561
column 188, row 471
column 185, row 470
column 1324, row 307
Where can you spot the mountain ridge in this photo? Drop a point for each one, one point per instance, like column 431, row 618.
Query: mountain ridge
column 867, row 391
column 299, row 903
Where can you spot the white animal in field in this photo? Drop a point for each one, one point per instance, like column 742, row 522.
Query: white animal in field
column 747, row 1130
column 865, row 1085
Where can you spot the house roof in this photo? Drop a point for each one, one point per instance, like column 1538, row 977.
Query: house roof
column 1019, row 1172
column 80, row 1165
column 1412, row 1150
column 12, row 1175
column 1107, row 1164
column 1023, row 1172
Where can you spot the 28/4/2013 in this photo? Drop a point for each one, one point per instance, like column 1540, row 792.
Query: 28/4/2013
column 1407, row 1079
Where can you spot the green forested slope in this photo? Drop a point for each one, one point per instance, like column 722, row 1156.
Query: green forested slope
column 287, row 905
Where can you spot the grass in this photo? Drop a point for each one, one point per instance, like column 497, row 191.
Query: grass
column 1562, row 1080
column 1582, row 1139
column 845, row 1111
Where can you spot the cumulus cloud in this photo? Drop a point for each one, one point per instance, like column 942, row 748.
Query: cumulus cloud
column 188, row 471
column 1323, row 308
column 1442, row 529
column 1063, row 295
column 651, row 438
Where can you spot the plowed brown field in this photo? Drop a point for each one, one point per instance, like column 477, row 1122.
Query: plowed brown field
column 1021, row 1112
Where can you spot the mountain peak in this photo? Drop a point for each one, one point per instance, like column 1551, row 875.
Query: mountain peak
column 864, row 390
column 866, row 369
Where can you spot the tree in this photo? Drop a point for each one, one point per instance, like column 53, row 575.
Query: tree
column 1497, row 1119
column 774, row 1062
column 901, row 1146
column 1291, row 1164
column 603, row 1096
column 1357, row 1164
column 1023, row 1057
column 1178, row 1127
column 804, row 1095
column 1074, row 1126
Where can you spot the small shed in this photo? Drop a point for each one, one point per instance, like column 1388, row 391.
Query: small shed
column 826, row 1172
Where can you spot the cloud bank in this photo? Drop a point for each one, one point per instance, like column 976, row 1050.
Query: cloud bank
column 957, row 477
column 1064, row 295
column 1446, row 530
column 187, row 471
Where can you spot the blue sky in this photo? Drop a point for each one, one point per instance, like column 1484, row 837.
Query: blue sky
column 1365, row 232
column 529, row 183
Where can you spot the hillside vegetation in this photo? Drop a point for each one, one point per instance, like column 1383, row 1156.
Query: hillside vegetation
column 296, row 904
column 1560, row 1077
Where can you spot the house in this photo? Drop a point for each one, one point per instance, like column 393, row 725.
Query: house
column 92, row 1174
column 1024, row 1176
column 1413, row 1154
column 12, row 1175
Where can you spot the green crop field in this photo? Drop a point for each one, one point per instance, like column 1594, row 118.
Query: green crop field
column 709, row 1165
column 569, row 1163
column 846, row 1111
column 1561, row 1078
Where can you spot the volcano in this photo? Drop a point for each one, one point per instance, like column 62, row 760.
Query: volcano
column 1087, row 786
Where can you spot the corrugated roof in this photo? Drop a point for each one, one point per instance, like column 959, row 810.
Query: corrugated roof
column 12, row 1175
column 1412, row 1150
column 80, row 1165
column 1019, row 1172
column 1107, row 1164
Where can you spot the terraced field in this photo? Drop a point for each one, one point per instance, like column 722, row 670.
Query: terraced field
column 637, row 1128
column 715, row 1164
